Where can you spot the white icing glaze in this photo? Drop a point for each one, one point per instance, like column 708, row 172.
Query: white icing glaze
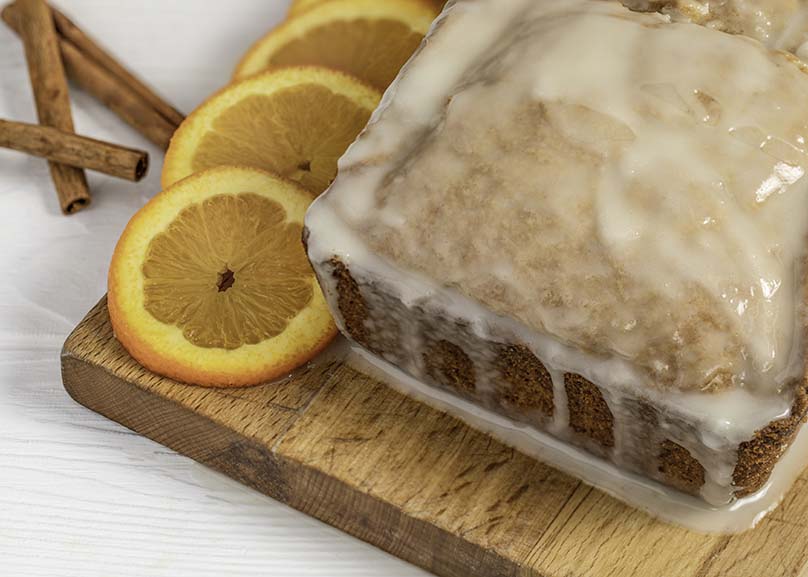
column 657, row 500
column 794, row 35
column 694, row 281
column 690, row 176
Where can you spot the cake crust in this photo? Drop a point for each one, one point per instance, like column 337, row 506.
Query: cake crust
column 520, row 374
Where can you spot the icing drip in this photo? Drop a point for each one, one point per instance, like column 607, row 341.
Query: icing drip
column 655, row 499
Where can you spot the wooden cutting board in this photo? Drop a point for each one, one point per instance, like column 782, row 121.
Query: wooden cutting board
column 420, row 484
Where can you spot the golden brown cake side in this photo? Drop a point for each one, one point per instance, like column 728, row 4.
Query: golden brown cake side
column 523, row 391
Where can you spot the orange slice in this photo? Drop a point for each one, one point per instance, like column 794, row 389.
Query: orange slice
column 295, row 122
column 369, row 39
column 210, row 283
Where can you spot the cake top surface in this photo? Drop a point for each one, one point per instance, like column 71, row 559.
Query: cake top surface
column 626, row 184
column 781, row 24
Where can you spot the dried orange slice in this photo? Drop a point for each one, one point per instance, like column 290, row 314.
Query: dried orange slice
column 210, row 283
column 295, row 122
column 300, row 6
column 369, row 39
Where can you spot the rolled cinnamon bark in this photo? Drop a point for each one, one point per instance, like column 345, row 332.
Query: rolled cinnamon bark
column 74, row 150
column 73, row 34
column 116, row 96
column 110, row 89
column 35, row 25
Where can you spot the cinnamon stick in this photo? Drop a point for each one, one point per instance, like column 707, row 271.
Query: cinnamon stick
column 74, row 150
column 36, row 28
column 73, row 34
column 104, row 85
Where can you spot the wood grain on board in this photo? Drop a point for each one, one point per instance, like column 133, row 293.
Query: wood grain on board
column 412, row 480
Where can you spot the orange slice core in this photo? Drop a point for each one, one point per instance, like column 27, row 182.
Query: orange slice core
column 228, row 271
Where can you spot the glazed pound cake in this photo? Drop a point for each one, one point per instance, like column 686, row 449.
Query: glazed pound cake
column 583, row 228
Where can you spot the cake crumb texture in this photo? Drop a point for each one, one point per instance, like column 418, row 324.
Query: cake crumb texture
column 351, row 304
column 679, row 468
column 526, row 384
column 450, row 366
column 589, row 413
column 758, row 456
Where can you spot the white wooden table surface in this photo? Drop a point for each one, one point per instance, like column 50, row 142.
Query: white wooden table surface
column 80, row 495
